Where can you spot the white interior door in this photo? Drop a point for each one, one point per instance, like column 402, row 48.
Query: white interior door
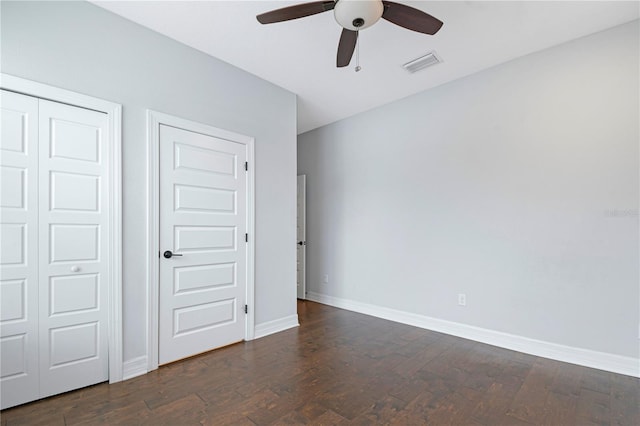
column 74, row 247
column 302, row 237
column 203, row 222
column 18, row 249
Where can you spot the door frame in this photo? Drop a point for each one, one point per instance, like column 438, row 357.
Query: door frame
column 114, row 139
column 154, row 120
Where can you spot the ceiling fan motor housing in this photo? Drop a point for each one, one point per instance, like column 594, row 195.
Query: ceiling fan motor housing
column 357, row 15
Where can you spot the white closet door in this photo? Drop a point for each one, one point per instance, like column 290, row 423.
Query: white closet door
column 74, row 247
column 18, row 248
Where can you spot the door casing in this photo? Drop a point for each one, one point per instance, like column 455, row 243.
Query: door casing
column 154, row 120
column 114, row 139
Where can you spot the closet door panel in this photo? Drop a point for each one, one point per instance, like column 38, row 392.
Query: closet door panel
column 74, row 247
column 18, row 249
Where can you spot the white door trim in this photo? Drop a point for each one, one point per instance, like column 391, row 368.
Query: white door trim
column 154, row 120
column 114, row 138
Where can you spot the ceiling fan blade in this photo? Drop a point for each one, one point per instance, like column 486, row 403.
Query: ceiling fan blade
column 410, row 18
column 346, row 47
column 295, row 12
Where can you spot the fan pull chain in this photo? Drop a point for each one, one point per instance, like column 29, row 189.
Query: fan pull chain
column 358, row 53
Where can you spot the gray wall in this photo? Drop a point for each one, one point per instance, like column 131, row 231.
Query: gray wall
column 517, row 186
column 81, row 47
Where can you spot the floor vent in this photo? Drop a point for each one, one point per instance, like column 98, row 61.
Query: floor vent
column 422, row 62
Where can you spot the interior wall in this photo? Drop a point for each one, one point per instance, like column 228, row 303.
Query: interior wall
column 81, row 47
column 517, row 186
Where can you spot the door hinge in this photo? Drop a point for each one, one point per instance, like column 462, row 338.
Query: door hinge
column 246, row 238
column 246, row 309
column 246, row 165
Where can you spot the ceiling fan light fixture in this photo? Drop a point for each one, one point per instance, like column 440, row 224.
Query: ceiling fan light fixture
column 357, row 15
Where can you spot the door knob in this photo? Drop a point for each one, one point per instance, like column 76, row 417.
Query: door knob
column 302, row 243
column 75, row 268
column 168, row 254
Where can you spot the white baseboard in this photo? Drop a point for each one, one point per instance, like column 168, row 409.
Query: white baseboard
column 139, row 366
column 275, row 326
column 134, row 367
column 588, row 358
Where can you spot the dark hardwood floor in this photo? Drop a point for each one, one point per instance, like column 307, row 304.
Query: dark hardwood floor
column 340, row 367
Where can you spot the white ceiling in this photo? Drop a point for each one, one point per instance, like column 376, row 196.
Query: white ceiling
column 300, row 55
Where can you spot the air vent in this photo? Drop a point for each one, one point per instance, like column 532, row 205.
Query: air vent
column 422, row 62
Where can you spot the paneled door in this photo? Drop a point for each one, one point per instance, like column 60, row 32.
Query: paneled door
column 302, row 237
column 203, row 224
column 74, row 248
column 19, row 378
column 55, row 248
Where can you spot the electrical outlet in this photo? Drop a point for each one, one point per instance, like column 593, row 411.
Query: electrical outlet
column 462, row 299
column 325, row 279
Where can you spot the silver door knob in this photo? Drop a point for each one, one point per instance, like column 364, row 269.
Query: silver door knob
column 75, row 268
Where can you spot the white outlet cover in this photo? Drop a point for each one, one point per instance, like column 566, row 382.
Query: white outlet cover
column 462, row 299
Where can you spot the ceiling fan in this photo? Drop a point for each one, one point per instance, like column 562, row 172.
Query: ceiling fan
column 356, row 15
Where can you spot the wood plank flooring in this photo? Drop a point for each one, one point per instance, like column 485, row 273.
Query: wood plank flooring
column 343, row 368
